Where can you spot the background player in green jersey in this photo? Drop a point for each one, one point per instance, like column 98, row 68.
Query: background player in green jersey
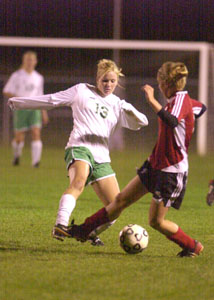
column 27, row 82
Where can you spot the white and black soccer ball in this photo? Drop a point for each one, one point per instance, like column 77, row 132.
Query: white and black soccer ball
column 133, row 239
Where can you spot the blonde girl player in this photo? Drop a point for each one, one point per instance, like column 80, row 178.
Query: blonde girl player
column 165, row 172
column 96, row 113
column 26, row 82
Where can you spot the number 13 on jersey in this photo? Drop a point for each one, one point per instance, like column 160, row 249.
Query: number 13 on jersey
column 101, row 110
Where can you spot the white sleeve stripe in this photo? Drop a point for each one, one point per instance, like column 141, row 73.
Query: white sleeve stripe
column 178, row 105
column 175, row 105
column 180, row 102
column 196, row 110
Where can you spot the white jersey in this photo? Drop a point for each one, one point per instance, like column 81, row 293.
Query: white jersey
column 22, row 83
column 95, row 117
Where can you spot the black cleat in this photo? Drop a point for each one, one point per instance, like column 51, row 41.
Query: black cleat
column 210, row 195
column 95, row 241
column 188, row 253
column 36, row 165
column 60, row 232
column 16, row 161
column 77, row 232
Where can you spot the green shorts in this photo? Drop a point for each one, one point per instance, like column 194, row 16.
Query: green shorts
column 25, row 119
column 98, row 171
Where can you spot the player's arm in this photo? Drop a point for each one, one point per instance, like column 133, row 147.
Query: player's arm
column 198, row 108
column 130, row 117
column 166, row 117
column 37, row 102
column 203, row 109
column 45, row 117
column 44, row 102
column 9, row 89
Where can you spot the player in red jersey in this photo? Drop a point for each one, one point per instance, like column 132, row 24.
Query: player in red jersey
column 165, row 172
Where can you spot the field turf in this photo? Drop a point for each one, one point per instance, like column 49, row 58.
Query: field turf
column 34, row 266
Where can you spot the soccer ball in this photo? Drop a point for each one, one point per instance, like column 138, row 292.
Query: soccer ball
column 133, row 239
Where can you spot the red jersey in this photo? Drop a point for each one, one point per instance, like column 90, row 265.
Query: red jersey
column 170, row 151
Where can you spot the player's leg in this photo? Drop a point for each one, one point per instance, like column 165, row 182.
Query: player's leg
column 17, row 145
column 171, row 230
column 210, row 195
column 107, row 189
column 36, row 146
column 19, row 125
column 157, row 213
column 35, row 124
column 78, row 174
column 130, row 194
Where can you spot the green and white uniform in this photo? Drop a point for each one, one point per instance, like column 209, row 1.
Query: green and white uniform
column 95, row 118
column 22, row 83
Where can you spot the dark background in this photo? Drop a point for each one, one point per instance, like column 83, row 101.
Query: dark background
column 190, row 20
column 169, row 20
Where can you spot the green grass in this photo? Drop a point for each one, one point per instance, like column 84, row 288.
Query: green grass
column 34, row 266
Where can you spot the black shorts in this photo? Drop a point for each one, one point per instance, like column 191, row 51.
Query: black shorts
column 165, row 186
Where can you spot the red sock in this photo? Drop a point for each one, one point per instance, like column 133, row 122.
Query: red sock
column 182, row 239
column 96, row 220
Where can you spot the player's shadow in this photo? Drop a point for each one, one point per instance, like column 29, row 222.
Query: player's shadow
column 71, row 248
column 18, row 247
column 119, row 254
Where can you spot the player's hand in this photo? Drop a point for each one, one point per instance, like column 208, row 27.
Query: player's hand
column 10, row 104
column 149, row 92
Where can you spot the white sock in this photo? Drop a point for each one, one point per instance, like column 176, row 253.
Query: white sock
column 66, row 206
column 101, row 228
column 36, row 151
column 17, row 148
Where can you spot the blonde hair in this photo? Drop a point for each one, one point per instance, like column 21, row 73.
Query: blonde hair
column 106, row 65
column 173, row 74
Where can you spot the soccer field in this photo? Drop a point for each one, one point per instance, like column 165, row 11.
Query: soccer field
column 35, row 266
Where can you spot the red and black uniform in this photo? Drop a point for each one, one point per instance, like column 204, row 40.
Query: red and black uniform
column 165, row 172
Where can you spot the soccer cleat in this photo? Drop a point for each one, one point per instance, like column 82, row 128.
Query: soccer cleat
column 210, row 195
column 77, row 232
column 95, row 241
column 59, row 232
column 36, row 165
column 188, row 253
column 16, row 161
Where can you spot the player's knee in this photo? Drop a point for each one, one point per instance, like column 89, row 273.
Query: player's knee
column 120, row 201
column 19, row 137
column 36, row 135
column 78, row 184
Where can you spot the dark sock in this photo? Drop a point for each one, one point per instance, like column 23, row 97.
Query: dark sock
column 94, row 221
column 182, row 239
